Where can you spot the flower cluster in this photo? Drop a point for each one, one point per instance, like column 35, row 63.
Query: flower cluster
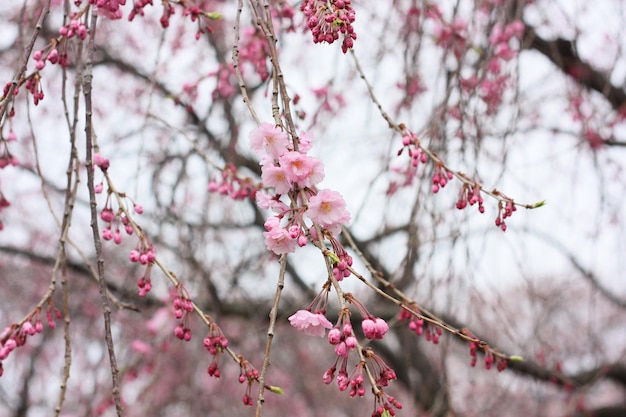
column 490, row 359
column 373, row 327
column 253, row 50
column 109, row 8
column 327, row 19
column 115, row 219
column 215, row 343
column 415, row 324
column 73, row 28
column 431, row 333
column 182, row 307
column 145, row 283
column 15, row 335
column 441, row 177
column 232, row 185
column 144, row 252
column 385, row 405
column 470, row 194
column 6, row 158
column 50, row 54
column 451, row 36
column 504, row 210
column 342, row 337
column 288, row 169
column 247, row 374
column 33, row 86
column 500, row 39
column 492, row 83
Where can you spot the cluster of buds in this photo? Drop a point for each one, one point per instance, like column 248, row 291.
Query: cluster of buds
column 418, row 156
column 500, row 40
column 182, row 307
column 74, row 28
column 385, row 405
column 342, row 338
column 114, row 220
column 470, row 194
column 489, row 360
column 215, row 343
column 15, row 336
column 382, row 372
column 283, row 11
column 111, row 9
column 441, row 176
column 253, row 50
column 138, row 6
column 145, row 283
column 373, row 327
column 412, row 143
column 432, row 333
column 341, row 269
column 504, row 210
column 200, row 17
column 451, row 36
column 194, row 13
column 33, row 86
column 232, row 185
column 50, row 54
column 248, row 375
column 225, row 86
column 144, row 255
column 415, row 324
column 168, row 11
column 327, row 19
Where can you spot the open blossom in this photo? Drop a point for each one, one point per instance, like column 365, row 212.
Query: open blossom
column 277, row 239
column 313, row 324
column 328, row 208
column 269, row 140
column 304, row 143
column 275, row 176
column 266, row 201
column 302, row 169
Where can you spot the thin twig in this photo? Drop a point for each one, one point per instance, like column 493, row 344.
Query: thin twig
column 89, row 133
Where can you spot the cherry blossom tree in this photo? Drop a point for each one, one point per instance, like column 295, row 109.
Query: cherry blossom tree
column 312, row 208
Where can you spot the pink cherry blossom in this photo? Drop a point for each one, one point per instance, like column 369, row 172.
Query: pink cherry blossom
column 268, row 140
column 266, row 201
column 304, row 143
column 328, row 209
column 279, row 241
column 302, row 169
column 275, row 176
column 313, row 324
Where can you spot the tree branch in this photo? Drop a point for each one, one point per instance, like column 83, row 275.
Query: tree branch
column 564, row 55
